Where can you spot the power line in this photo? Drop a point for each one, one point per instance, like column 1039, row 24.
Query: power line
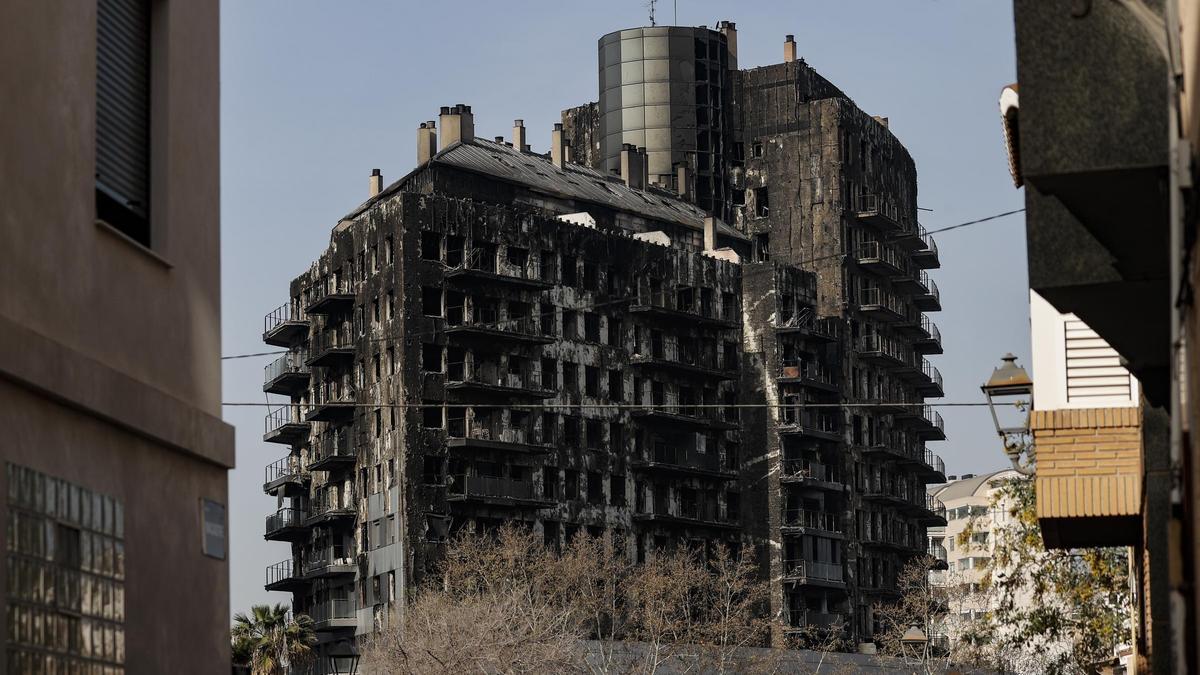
column 498, row 324
column 616, row 406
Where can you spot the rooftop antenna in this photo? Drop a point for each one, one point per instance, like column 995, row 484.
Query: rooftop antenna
column 650, row 4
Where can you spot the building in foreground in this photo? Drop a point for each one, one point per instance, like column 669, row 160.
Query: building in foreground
column 654, row 343
column 115, row 456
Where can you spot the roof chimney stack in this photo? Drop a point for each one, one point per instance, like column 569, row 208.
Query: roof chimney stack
column 376, row 184
column 683, row 181
column 789, row 49
column 645, row 166
column 631, row 166
column 557, row 148
column 729, row 30
column 426, row 141
column 458, row 124
column 519, row 136
column 710, row 233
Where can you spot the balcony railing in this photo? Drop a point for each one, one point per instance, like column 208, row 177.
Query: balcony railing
column 672, row 353
column 798, row 618
column 291, row 363
column 674, row 455
column 877, row 254
column 492, row 375
column 877, row 209
column 931, row 300
column 934, row 462
column 482, row 318
column 934, row 418
column 877, row 299
column 487, row 261
column 281, row 572
column 285, row 518
column 702, row 511
column 461, row 427
column 810, row 371
column 810, row 420
column 281, row 417
column 935, row 506
column 287, row 467
column 932, row 373
column 663, row 299
column 881, row 346
column 491, row 486
column 817, row 520
column 333, row 503
column 931, row 329
column 804, row 469
column 799, row 568
column 324, row 558
column 281, row 315
column 334, row 446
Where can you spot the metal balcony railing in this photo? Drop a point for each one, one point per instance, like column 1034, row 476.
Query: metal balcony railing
column 326, row 557
column 801, row 618
column 930, row 371
column 702, row 511
column 281, row 571
column 282, row 468
column 934, row 462
column 938, row 552
column 336, row 394
column 796, row 415
column 931, row 329
column 461, row 427
column 808, row 569
column 930, row 286
column 340, row 337
column 488, row 318
column 806, row 370
column 829, row 522
column 282, row 314
column 805, row 468
column 930, row 243
column 332, row 502
column 884, row 346
column 933, row 417
column 935, row 506
column 334, row 444
column 492, row 375
column 665, row 299
column 339, row 609
column 679, row 456
column 491, row 486
column 285, row 517
column 673, row 352
column 876, row 205
column 871, row 252
column 289, row 363
column 690, row 409
column 872, row 298
column 282, row 416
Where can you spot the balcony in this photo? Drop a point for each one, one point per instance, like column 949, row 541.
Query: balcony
column 683, row 417
column 881, row 305
column 285, row 425
column 932, row 513
column 337, row 614
column 800, row 522
column 798, row 620
column 282, row 576
column 807, row 374
column 882, row 350
column 675, row 460
column 285, row 475
column 806, row 323
column 670, row 357
column 668, row 306
column 930, row 425
column 926, row 257
column 893, row 538
column 801, row 571
column 877, row 491
column 496, row 491
column 478, row 436
column 940, row 563
column 286, row 375
column 286, row 524
column 333, row 451
column 332, row 347
column 328, row 563
column 484, row 324
column 888, row 450
column 808, row 473
column 878, row 258
column 929, row 380
column 330, row 298
column 928, row 299
column 877, row 211
column 329, row 507
column 929, row 340
column 488, row 380
column 284, row 326
column 332, row 404
column 810, row 423
column 482, row 266
column 931, row 468
column 704, row 514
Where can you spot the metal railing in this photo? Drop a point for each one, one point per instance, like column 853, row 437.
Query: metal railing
column 934, row 462
column 930, row 243
column 282, row 416
column 889, row 535
column 281, row 571
column 796, row 415
column 935, row 505
column 818, row 520
column 679, row 456
column 491, row 486
column 930, row 287
column 332, row 610
column 930, row 371
column 461, row 427
column 291, row 362
column 493, row 375
column 489, row 318
column 883, row 345
column 282, row 468
column 805, row 468
column 802, row 618
column 808, row 569
column 665, row 299
column 285, row 517
column 331, row 501
column 934, row 418
column 938, row 552
column 876, row 251
column 339, row 337
column 807, row 370
column 702, row 511
column 877, row 297
column 673, row 352
column 692, row 410
column 326, row 557
column 334, row 444
column 282, row 314
column 931, row 329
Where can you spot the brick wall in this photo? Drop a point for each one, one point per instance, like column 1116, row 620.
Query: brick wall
column 1089, row 462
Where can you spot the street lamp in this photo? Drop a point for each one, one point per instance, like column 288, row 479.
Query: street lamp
column 913, row 644
column 1009, row 394
column 343, row 658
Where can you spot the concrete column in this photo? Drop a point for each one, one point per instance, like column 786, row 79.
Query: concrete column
column 729, row 30
column 789, row 49
column 376, row 184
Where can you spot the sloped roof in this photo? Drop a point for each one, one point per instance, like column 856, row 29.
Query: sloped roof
column 973, row 486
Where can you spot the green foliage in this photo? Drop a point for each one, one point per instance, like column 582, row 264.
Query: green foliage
column 270, row 641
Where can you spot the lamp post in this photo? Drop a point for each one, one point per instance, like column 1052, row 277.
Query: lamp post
column 1009, row 393
column 343, row 658
column 913, row 644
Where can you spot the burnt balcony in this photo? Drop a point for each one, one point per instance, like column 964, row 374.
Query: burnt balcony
column 332, row 347
column 676, row 460
column 333, row 451
column 286, row 524
column 704, row 514
column 929, row 380
column 799, row 620
column 881, row 305
column 475, row 435
column 332, row 507
column 888, row 450
column 802, row 521
column 878, row 211
column 484, row 324
column 929, row 424
column 908, row 238
column 674, row 307
column 329, row 563
column 488, row 380
column 287, row 375
column 285, row 425
column 285, row 476
column 882, row 350
column 495, row 491
column 336, row 614
column 801, row 571
column 932, row 512
column 330, row 298
column 926, row 257
column 807, row 324
column 878, row 258
column 807, row 374
column 823, row 426
column 928, row 299
column 881, row 492
column 895, row 538
column 929, row 341
column 283, row 576
column 686, row 417
column 810, row 474
column 482, row 266
column 284, row 326
column 931, row 468
column 670, row 357
column 332, row 404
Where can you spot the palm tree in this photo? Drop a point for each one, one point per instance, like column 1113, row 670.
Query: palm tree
column 271, row 642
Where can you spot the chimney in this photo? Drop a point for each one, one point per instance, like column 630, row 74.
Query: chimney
column 881, row 120
column 645, row 166
column 710, row 233
column 519, row 136
column 557, row 149
column 426, row 141
column 631, row 166
column 458, row 124
column 789, row 49
column 376, row 184
column 568, row 155
column 729, row 30
column 683, row 181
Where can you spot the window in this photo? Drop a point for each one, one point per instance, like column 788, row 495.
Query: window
column 549, row 374
column 570, row 376
column 431, row 358
column 762, row 248
column 569, row 270
column 391, row 358
column 616, row 389
column 431, row 301
column 616, row 437
column 571, row 430
column 591, row 381
column 123, row 117
column 614, row 331
column 375, row 365
column 761, row 205
column 518, row 257
column 616, row 490
column 591, row 276
column 757, row 149
column 571, row 478
column 431, row 415
column 595, row 488
column 549, row 423
column 431, row 245
column 733, row 506
column 391, row 305
column 431, row 473
column 389, row 251
column 550, row 482
column 570, row 325
column 595, row 433
column 591, row 327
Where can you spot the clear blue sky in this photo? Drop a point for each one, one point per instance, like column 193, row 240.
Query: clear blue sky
column 316, row 94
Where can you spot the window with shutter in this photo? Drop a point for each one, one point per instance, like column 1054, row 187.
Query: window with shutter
column 1094, row 368
column 123, row 116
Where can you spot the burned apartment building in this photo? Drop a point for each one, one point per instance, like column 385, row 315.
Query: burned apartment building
column 631, row 340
